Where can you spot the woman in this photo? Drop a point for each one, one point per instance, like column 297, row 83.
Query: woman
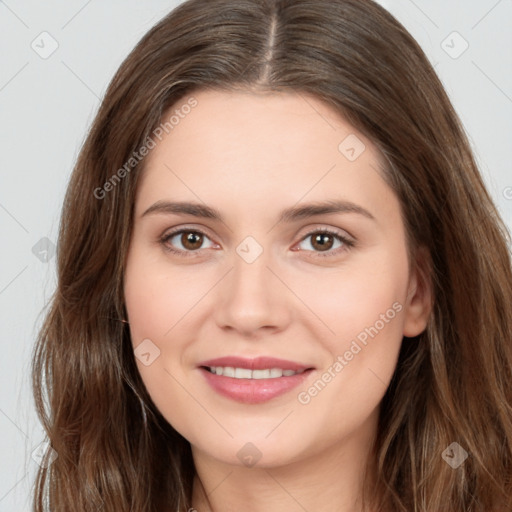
column 282, row 284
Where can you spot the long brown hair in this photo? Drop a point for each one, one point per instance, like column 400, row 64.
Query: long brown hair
column 453, row 383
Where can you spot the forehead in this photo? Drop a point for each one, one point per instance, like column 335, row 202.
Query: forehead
column 250, row 149
column 278, row 120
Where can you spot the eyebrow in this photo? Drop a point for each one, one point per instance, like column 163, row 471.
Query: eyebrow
column 288, row 215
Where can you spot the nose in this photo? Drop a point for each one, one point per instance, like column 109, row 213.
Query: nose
column 251, row 299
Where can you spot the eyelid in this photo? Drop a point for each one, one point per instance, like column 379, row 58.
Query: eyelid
column 180, row 230
column 318, row 228
column 347, row 240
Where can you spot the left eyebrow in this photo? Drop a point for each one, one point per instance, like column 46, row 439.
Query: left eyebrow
column 322, row 208
column 288, row 215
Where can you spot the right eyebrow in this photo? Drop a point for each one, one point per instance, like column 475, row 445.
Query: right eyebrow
column 194, row 209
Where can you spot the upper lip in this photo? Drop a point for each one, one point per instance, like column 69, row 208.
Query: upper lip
column 258, row 363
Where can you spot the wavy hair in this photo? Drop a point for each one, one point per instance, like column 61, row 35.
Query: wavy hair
column 453, row 383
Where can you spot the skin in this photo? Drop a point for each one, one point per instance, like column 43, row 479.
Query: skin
column 250, row 155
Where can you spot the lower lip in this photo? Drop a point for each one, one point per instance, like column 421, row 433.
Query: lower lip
column 253, row 391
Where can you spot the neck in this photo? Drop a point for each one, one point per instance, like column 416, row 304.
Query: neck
column 326, row 481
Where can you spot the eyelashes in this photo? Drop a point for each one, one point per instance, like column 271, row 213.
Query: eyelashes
column 169, row 236
column 346, row 243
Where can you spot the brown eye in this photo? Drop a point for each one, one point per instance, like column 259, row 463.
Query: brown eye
column 191, row 240
column 322, row 241
column 184, row 241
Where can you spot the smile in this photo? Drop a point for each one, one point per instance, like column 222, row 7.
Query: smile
column 246, row 373
column 253, row 381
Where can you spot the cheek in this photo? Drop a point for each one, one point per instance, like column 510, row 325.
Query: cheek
column 150, row 307
column 156, row 303
column 365, row 309
column 158, row 296
column 162, row 303
column 351, row 299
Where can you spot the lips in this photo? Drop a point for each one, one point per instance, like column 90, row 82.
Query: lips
column 250, row 390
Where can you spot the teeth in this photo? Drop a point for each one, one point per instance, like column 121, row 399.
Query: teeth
column 242, row 373
column 263, row 374
column 245, row 373
column 228, row 371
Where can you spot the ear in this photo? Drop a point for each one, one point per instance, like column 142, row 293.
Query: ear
column 419, row 300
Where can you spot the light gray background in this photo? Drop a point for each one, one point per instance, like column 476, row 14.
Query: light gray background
column 46, row 106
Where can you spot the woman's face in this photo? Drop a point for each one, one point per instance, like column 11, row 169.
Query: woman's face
column 260, row 280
